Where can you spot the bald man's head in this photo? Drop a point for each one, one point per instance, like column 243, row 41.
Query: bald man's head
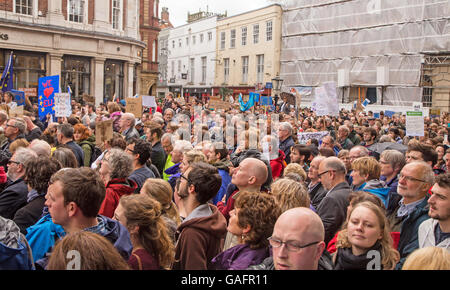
column 303, row 230
column 251, row 172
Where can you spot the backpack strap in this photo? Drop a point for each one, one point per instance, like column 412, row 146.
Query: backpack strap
column 139, row 260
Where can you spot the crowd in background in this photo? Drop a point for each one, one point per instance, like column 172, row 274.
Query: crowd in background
column 188, row 187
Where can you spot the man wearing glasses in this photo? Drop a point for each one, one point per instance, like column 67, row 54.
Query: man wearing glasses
column 414, row 182
column 297, row 243
column 333, row 207
column 14, row 129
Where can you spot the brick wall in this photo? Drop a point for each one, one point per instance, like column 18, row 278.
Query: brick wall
column 6, row 5
column 43, row 7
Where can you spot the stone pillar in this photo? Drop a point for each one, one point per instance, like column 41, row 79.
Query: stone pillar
column 55, row 64
column 99, row 75
column 128, row 82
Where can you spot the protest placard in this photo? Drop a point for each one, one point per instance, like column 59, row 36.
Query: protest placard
column 216, row 103
column 304, row 137
column 149, row 101
column 63, row 107
column 415, row 124
column 134, row 105
column 48, row 86
column 325, row 100
column 16, row 112
column 103, row 131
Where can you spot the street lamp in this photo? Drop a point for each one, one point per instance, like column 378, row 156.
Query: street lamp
column 277, row 83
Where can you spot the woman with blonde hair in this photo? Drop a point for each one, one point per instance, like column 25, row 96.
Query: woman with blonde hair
column 95, row 253
column 289, row 193
column 16, row 144
column 365, row 237
column 428, row 258
column 190, row 157
column 295, row 168
column 152, row 247
column 161, row 190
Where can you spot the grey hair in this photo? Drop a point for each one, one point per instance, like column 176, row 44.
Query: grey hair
column 426, row 171
column 334, row 163
column 363, row 151
column 286, row 126
column 130, row 116
column 170, row 110
column 182, row 146
column 23, row 154
column 170, row 136
column 394, row 158
column 344, row 127
column 20, row 124
column 120, row 163
column 41, row 147
column 385, row 138
column 158, row 120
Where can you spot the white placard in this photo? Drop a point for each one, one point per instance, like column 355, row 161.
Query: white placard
column 149, row 101
column 304, row 137
column 325, row 100
column 63, row 107
column 415, row 124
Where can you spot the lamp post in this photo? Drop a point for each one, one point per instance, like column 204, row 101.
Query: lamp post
column 277, row 83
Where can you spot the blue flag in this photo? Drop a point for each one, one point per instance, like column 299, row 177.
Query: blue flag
column 6, row 82
column 251, row 102
column 48, row 86
column 19, row 97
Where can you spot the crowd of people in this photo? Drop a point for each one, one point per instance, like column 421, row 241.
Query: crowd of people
column 188, row 187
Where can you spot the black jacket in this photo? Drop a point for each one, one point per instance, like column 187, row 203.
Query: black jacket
column 285, row 146
column 34, row 134
column 79, row 153
column 12, row 198
column 333, row 209
column 409, row 233
column 158, row 157
column 5, row 154
column 29, row 214
column 317, row 194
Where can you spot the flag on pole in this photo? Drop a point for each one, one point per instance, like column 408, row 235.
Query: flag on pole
column 69, row 90
column 6, row 82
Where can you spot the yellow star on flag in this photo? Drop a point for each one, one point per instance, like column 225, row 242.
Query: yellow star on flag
column 42, row 109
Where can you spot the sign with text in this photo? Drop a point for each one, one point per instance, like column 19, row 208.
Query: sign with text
column 48, row 86
column 415, row 124
column 304, row 137
column 134, row 105
column 216, row 103
column 103, row 131
column 63, row 108
column 19, row 97
column 16, row 112
column 148, row 101
column 29, row 92
column 325, row 100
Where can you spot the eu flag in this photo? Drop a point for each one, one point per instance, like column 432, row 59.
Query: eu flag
column 6, row 82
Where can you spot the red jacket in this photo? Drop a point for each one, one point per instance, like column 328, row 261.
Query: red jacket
column 115, row 189
column 229, row 206
column 278, row 165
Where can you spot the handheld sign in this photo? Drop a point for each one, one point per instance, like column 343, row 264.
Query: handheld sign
column 134, row 105
column 48, row 86
column 415, row 124
column 63, row 107
column 103, row 131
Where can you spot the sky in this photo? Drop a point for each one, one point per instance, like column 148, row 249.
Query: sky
column 178, row 9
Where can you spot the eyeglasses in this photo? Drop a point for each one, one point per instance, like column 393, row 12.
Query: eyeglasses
column 9, row 125
column 15, row 162
column 320, row 174
column 178, row 181
column 290, row 246
column 409, row 178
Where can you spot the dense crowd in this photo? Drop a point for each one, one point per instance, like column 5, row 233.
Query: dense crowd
column 189, row 187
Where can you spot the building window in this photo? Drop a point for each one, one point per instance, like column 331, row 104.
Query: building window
column 244, row 69
column 24, row 7
column 244, row 36
column 255, row 33
column 173, row 69
column 233, row 38
column 209, row 36
column 179, row 65
column 260, row 68
column 222, row 40
column 193, row 39
column 226, row 70
column 204, row 69
column 201, row 38
column 116, row 13
column 76, row 73
column 113, row 80
column 192, row 69
column 28, row 68
column 154, row 51
column 269, row 30
column 187, row 41
column 173, row 43
column 76, row 10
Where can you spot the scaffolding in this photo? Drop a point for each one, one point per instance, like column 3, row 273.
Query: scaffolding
column 390, row 46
